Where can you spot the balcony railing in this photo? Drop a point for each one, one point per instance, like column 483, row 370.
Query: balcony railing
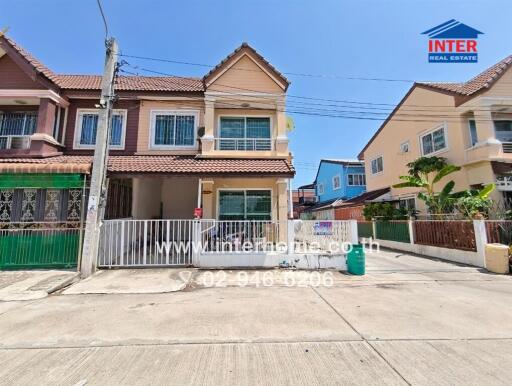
column 504, row 183
column 243, row 144
column 507, row 147
column 16, row 129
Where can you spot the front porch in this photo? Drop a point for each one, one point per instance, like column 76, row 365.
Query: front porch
column 169, row 197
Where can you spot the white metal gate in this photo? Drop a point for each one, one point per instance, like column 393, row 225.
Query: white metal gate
column 153, row 243
column 144, row 243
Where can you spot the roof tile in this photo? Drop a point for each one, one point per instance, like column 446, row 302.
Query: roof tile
column 132, row 83
column 168, row 164
column 483, row 80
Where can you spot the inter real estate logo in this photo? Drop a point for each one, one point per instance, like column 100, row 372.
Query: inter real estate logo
column 452, row 42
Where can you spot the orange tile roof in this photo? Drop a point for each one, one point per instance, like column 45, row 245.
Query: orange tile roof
column 131, row 83
column 483, row 80
column 136, row 83
column 132, row 164
column 124, row 83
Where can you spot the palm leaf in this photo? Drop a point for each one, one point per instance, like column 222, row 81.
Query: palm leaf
column 447, row 189
column 486, row 190
column 448, row 169
column 409, row 184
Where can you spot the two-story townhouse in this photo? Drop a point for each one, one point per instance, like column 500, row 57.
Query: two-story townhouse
column 470, row 124
column 218, row 143
column 336, row 180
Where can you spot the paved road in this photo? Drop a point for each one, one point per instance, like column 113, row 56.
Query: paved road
column 410, row 320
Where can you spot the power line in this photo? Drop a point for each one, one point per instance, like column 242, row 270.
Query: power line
column 332, row 113
column 301, row 74
column 103, row 17
column 301, row 97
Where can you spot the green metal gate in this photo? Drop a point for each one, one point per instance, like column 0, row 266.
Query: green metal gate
column 40, row 220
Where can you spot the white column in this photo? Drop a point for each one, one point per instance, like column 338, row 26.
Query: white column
column 411, row 231
column 208, row 139
column 481, row 241
column 354, row 237
column 291, row 236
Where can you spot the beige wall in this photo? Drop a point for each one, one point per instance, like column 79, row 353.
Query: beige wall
column 146, row 198
column 143, row 139
column 179, row 197
column 436, row 109
column 278, row 187
column 502, row 87
column 403, row 127
column 245, row 75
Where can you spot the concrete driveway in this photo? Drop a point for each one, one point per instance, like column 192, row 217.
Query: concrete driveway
column 410, row 320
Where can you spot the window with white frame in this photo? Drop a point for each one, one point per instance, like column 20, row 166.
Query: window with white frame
column 173, row 129
column 503, row 129
column 433, row 141
column 320, row 188
column 377, row 165
column 244, row 133
column 356, row 180
column 473, row 137
column 245, row 204
column 404, row 147
column 336, row 182
column 87, row 127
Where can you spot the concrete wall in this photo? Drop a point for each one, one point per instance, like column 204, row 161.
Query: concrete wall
column 245, row 260
column 455, row 255
column 146, row 198
column 179, row 197
column 278, row 187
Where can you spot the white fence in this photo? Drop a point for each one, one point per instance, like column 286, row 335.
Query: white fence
column 214, row 243
column 142, row 243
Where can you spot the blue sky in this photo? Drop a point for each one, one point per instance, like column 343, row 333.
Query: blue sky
column 344, row 38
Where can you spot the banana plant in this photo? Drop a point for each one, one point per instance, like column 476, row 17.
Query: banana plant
column 425, row 173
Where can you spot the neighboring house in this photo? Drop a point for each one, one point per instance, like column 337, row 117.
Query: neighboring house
column 303, row 198
column 353, row 209
column 336, row 180
column 470, row 124
column 218, row 142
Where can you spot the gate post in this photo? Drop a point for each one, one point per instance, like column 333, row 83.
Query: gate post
column 411, row 230
column 480, row 240
column 196, row 242
column 354, row 237
column 290, row 239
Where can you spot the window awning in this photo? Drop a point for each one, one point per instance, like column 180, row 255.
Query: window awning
column 41, row 180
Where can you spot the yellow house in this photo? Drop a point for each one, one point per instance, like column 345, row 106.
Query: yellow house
column 469, row 124
column 240, row 166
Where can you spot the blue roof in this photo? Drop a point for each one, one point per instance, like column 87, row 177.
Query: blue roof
column 452, row 29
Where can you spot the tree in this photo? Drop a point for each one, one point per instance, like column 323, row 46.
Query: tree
column 383, row 211
column 475, row 203
column 425, row 173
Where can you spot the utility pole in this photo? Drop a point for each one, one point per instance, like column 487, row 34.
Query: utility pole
column 98, row 188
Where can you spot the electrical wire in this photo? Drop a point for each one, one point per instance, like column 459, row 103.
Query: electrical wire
column 333, row 113
column 105, row 24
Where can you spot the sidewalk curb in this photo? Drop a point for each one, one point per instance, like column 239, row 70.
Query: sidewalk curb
column 64, row 284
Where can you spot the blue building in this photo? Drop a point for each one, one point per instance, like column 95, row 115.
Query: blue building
column 338, row 179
